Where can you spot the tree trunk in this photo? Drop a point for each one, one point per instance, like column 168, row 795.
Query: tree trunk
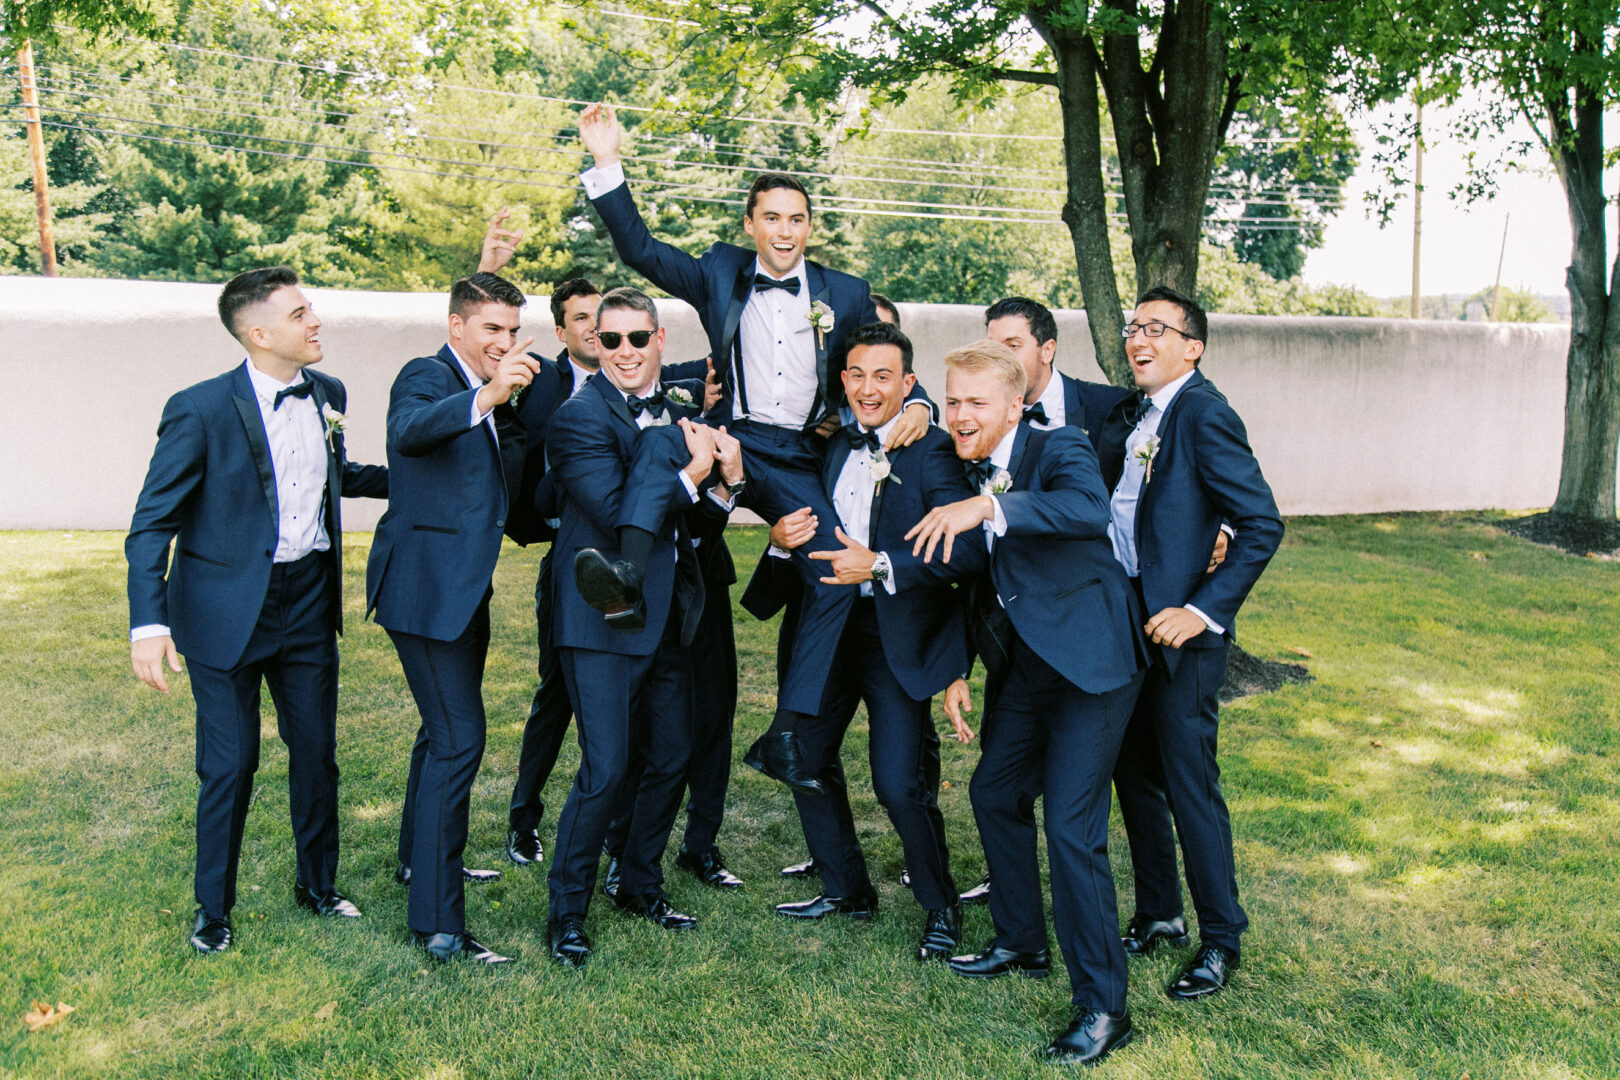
column 1586, row 482
column 1085, row 209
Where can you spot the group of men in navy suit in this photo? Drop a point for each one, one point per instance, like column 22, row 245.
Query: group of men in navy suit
column 1090, row 546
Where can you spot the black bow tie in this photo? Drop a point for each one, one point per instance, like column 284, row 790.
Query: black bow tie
column 1136, row 411
column 762, row 283
column 859, row 437
column 298, row 389
column 651, row 403
column 978, row 472
column 1036, row 414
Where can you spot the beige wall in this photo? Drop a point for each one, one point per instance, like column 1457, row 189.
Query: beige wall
column 1346, row 415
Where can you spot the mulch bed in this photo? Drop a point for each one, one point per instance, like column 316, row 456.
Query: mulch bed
column 1577, row 536
column 1247, row 674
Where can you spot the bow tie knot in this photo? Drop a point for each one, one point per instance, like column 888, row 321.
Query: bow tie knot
column 1036, row 413
column 301, row 389
column 1138, row 408
column 859, row 437
column 651, row 403
column 978, row 473
column 765, row 283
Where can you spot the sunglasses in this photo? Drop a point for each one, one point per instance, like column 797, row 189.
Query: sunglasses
column 610, row 341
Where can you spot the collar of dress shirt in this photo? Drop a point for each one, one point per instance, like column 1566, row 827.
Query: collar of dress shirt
column 651, row 390
column 1167, row 393
column 797, row 271
column 1003, row 451
column 883, row 431
column 580, row 373
column 1051, row 398
column 266, row 386
column 472, row 376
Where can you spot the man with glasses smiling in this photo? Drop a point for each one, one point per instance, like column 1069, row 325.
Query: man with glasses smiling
column 1177, row 460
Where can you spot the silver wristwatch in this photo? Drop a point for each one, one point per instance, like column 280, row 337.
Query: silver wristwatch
column 881, row 567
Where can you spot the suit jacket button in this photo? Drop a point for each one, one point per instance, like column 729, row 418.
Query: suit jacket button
column 500, row 523
column 270, row 554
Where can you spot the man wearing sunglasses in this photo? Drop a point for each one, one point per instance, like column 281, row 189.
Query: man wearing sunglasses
column 777, row 327
column 631, row 692
column 1177, row 460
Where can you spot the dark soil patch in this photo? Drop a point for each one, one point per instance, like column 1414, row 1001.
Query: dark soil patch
column 1577, row 536
column 1247, row 674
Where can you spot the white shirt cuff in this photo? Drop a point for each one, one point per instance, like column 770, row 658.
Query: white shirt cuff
column 477, row 417
column 1209, row 622
column 728, row 505
column 1228, row 530
column 888, row 582
column 149, row 630
column 778, row 553
column 686, row 482
column 998, row 524
column 601, row 179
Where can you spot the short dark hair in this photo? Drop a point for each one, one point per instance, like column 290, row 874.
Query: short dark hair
column 484, row 288
column 571, row 289
column 1197, row 322
column 771, row 181
column 625, row 298
column 883, row 303
column 249, row 288
column 881, row 333
column 1037, row 314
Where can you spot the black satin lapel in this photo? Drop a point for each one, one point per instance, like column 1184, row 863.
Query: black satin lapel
column 819, row 292
column 1020, row 444
column 259, row 444
column 334, row 467
column 615, row 400
column 838, row 451
column 740, row 291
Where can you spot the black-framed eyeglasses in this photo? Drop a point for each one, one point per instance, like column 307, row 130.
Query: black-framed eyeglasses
column 1149, row 329
column 638, row 338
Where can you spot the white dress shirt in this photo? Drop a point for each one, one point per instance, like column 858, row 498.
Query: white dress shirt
column 476, row 381
column 297, row 438
column 999, row 458
column 778, row 342
column 1051, row 400
column 852, row 497
column 580, row 375
column 1127, row 496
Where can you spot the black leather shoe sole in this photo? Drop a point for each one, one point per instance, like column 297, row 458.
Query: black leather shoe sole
column 601, row 587
column 768, row 759
column 523, row 847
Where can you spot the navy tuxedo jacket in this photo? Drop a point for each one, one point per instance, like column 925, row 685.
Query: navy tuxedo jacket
column 1203, row 473
column 552, row 385
column 923, row 626
column 1086, row 405
column 435, row 550
column 592, row 445
column 718, row 284
column 212, row 488
column 1055, row 571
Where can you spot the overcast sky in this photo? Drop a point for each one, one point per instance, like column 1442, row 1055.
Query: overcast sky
column 1460, row 241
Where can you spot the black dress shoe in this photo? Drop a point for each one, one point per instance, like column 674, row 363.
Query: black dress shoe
column 402, row 874
column 331, row 903
column 856, row 907
column 1205, row 974
column 569, row 943
column 1143, row 935
column 708, row 868
column 610, row 880
column 449, row 945
column 805, row 869
column 611, row 587
column 996, row 961
column 523, row 847
column 942, row 934
column 208, row 934
column 1090, row 1037
column 780, row 757
column 979, row 894
column 656, row 909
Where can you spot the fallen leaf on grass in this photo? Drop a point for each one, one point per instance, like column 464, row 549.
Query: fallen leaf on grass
column 946, row 784
column 1378, row 743
column 43, row 1015
column 325, row 1011
column 1479, row 556
column 1306, row 653
column 165, row 911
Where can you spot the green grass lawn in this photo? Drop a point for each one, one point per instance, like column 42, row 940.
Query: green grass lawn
column 1426, row 842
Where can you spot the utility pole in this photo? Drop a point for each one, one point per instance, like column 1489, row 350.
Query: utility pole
column 1417, row 222
column 1496, row 290
column 36, row 154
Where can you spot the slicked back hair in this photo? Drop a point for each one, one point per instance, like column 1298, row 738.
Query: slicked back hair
column 484, row 288
column 881, row 333
column 1197, row 322
column 772, row 181
column 883, row 303
column 625, row 298
column 571, row 289
column 993, row 357
column 249, row 288
column 1041, row 324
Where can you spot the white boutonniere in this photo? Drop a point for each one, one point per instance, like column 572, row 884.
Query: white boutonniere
column 335, row 422
column 1145, row 455
column 679, row 396
column 1000, row 482
column 821, row 317
column 881, row 468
